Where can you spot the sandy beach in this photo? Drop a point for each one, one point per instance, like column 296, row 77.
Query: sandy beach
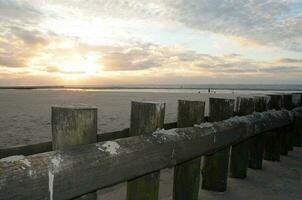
column 25, row 114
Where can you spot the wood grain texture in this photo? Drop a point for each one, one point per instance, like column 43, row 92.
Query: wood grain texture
column 146, row 117
column 73, row 126
column 296, row 102
column 256, row 146
column 289, row 132
column 240, row 152
column 187, row 174
column 215, row 166
column 273, row 141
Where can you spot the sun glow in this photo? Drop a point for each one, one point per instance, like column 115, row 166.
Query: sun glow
column 78, row 66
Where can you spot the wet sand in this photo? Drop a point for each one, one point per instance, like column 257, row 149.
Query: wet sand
column 25, row 114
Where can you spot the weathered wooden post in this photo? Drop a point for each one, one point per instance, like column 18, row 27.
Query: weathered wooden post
column 272, row 141
column 296, row 102
column 72, row 126
column 240, row 152
column 146, row 117
column 296, row 99
column 257, row 142
column 289, row 134
column 187, row 174
column 215, row 166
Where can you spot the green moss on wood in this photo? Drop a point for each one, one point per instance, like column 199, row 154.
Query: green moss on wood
column 145, row 187
column 186, row 180
column 215, row 171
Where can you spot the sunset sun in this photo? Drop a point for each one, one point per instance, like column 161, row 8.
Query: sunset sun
column 77, row 66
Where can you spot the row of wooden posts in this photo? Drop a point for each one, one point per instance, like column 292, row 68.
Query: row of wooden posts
column 73, row 126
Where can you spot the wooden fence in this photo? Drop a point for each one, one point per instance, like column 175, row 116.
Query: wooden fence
column 82, row 165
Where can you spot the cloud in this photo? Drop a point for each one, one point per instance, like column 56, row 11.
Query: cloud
column 139, row 57
column 19, row 45
column 252, row 23
column 19, row 12
column 282, row 69
column 260, row 21
column 289, row 60
column 54, row 69
column 168, row 59
column 256, row 23
column 29, row 37
column 12, row 61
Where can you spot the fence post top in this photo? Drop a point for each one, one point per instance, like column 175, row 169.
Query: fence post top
column 74, row 107
column 148, row 102
column 190, row 101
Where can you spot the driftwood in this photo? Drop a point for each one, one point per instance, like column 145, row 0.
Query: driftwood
column 93, row 166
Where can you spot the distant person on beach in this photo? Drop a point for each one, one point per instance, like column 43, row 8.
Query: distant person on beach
column 209, row 90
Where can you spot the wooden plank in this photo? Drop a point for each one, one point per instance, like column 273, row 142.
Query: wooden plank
column 240, row 152
column 187, row 174
column 94, row 166
column 215, row 166
column 146, row 117
column 73, row 126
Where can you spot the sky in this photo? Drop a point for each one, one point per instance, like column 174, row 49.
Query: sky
column 116, row 42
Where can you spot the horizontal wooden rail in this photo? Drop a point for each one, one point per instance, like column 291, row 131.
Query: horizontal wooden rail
column 31, row 149
column 74, row 172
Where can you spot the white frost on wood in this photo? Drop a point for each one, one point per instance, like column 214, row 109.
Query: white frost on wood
column 50, row 184
column 56, row 160
column 52, row 168
column 268, row 100
column 237, row 119
column 204, row 125
column 163, row 134
column 110, row 147
column 207, row 125
column 28, row 164
column 171, row 132
column 19, row 158
column 159, row 107
column 13, row 158
column 238, row 103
